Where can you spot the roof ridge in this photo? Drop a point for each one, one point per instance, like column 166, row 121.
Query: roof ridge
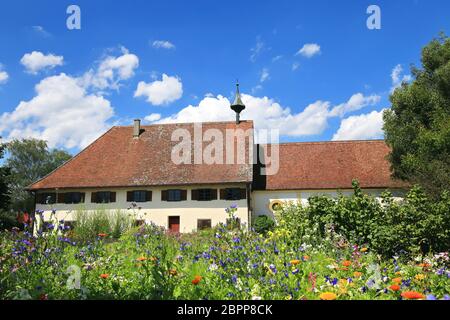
column 29, row 187
column 186, row 123
column 327, row 142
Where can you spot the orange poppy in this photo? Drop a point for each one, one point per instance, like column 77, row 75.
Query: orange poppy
column 104, row 276
column 196, row 280
column 397, row 280
column 102, row 235
column 141, row 259
column 328, row 296
column 412, row 295
column 395, row 287
column 295, row 262
column 357, row 274
column 173, row 272
column 347, row 263
column 306, row 258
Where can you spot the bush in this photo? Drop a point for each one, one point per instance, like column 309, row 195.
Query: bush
column 8, row 220
column 263, row 224
column 414, row 225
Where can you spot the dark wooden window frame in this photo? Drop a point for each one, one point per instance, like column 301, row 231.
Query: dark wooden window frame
column 144, row 196
column 203, row 224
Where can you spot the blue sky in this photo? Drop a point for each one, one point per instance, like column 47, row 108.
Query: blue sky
column 78, row 83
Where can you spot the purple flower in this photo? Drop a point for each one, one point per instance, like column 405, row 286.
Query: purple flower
column 431, row 297
column 446, row 297
column 295, row 271
column 234, row 206
column 273, row 268
column 234, row 278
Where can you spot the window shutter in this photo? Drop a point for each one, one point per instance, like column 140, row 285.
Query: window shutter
column 164, row 195
column 112, row 197
column 61, row 198
column 194, row 195
column 243, row 193
column 130, row 196
column 183, row 195
column 94, row 197
column 213, row 194
column 148, row 196
column 223, row 194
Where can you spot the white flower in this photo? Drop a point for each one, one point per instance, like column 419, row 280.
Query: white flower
column 256, row 298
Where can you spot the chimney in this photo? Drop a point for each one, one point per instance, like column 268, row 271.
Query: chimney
column 137, row 128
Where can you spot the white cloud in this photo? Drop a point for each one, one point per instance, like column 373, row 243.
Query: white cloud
column 309, row 50
column 257, row 49
column 4, row 76
column 111, row 71
column 398, row 77
column 276, row 58
column 37, row 61
column 56, row 113
column 364, row 126
column 162, row 92
column 265, row 75
column 265, row 112
column 153, row 117
column 295, row 66
column 69, row 111
column 164, row 44
column 41, row 31
column 356, row 102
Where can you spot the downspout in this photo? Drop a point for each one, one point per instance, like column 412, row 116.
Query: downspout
column 249, row 206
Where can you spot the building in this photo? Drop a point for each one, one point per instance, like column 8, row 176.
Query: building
column 185, row 184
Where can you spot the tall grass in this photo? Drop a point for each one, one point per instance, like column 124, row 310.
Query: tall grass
column 89, row 224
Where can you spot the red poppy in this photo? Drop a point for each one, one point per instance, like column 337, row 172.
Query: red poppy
column 196, row 280
column 347, row 263
column 395, row 287
column 412, row 295
column 102, row 235
column 104, row 276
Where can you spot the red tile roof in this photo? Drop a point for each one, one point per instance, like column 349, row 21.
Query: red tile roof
column 117, row 159
column 332, row 165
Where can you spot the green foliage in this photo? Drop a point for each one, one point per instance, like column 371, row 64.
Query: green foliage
column 29, row 160
column 417, row 127
column 389, row 227
column 89, row 224
column 263, row 224
column 4, row 173
column 8, row 220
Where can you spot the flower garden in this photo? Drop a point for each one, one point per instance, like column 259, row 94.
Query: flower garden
column 226, row 262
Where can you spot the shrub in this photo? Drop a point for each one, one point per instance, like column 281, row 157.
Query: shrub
column 8, row 220
column 416, row 224
column 263, row 224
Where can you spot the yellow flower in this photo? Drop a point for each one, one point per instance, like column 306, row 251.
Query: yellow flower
column 420, row 277
column 328, row 296
column 364, row 249
column 357, row 274
column 295, row 262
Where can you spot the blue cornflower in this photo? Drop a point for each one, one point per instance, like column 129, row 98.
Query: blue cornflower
column 234, row 278
column 431, row 297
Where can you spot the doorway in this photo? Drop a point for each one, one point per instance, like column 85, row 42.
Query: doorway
column 174, row 224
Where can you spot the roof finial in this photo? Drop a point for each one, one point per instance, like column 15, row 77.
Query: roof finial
column 237, row 105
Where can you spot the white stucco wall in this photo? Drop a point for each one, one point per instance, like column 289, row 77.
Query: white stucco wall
column 156, row 211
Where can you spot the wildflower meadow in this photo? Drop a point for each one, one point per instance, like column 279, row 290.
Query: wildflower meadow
column 228, row 262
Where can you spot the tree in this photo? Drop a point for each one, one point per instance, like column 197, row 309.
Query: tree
column 4, row 172
column 417, row 127
column 29, row 160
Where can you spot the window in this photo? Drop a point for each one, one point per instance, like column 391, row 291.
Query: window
column 204, row 194
column 233, row 194
column 139, row 196
column 173, row 195
column 275, row 205
column 46, row 198
column 71, row 197
column 103, row 197
column 203, row 224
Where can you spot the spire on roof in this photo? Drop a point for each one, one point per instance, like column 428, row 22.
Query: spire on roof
column 238, row 105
